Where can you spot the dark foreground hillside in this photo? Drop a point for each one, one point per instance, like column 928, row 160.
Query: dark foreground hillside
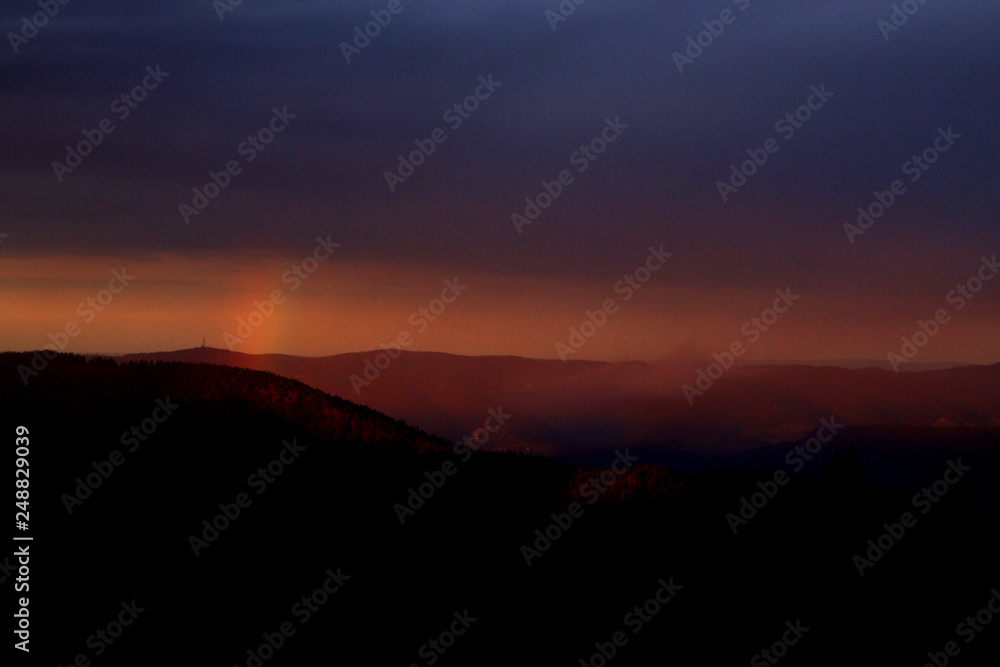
column 325, row 515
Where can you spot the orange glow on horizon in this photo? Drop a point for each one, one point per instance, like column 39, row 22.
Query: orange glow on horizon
column 347, row 306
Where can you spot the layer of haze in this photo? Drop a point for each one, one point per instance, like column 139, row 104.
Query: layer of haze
column 346, row 305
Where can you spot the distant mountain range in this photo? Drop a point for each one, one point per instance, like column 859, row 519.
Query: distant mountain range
column 911, row 367
column 564, row 409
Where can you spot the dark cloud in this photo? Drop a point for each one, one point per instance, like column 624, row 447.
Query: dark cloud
column 609, row 59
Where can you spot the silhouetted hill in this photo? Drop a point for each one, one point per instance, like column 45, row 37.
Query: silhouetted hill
column 565, row 409
column 333, row 504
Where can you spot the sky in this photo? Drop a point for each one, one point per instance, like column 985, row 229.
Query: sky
column 332, row 112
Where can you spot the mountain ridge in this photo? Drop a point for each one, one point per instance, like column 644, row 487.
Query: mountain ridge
column 563, row 408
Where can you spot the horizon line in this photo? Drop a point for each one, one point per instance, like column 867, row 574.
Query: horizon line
column 835, row 363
